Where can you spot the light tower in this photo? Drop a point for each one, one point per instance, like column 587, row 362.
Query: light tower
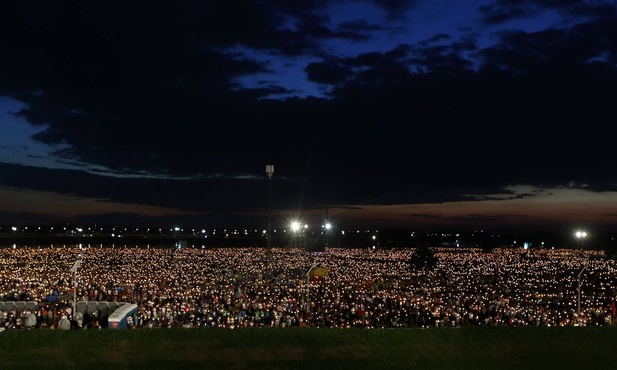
column 578, row 275
column 74, row 271
column 269, row 172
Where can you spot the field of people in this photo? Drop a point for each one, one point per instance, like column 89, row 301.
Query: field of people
column 240, row 287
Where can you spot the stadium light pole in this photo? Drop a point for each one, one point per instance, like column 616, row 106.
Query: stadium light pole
column 325, row 233
column 269, row 172
column 308, row 287
column 578, row 300
column 74, row 271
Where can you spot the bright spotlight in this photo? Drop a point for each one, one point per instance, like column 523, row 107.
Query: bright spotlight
column 295, row 226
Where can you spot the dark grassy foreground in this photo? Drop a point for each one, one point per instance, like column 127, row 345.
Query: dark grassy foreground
column 304, row 348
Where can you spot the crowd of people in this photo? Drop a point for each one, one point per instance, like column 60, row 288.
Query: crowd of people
column 241, row 287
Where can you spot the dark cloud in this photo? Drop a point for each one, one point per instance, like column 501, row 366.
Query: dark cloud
column 359, row 26
column 529, row 111
column 558, row 51
column 464, row 45
column 142, row 78
column 436, row 38
column 395, row 9
column 327, row 73
column 155, row 90
column 502, row 11
column 496, row 13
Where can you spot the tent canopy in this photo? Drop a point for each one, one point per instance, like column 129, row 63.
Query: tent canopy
column 318, row 271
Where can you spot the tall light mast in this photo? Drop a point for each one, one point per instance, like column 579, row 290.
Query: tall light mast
column 74, row 271
column 269, row 172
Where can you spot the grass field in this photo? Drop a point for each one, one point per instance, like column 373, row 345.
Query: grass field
column 310, row 348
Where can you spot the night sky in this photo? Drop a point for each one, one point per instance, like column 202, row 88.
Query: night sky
column 445, row 113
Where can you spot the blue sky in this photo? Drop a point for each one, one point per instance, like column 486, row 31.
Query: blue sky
column 414, row 113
